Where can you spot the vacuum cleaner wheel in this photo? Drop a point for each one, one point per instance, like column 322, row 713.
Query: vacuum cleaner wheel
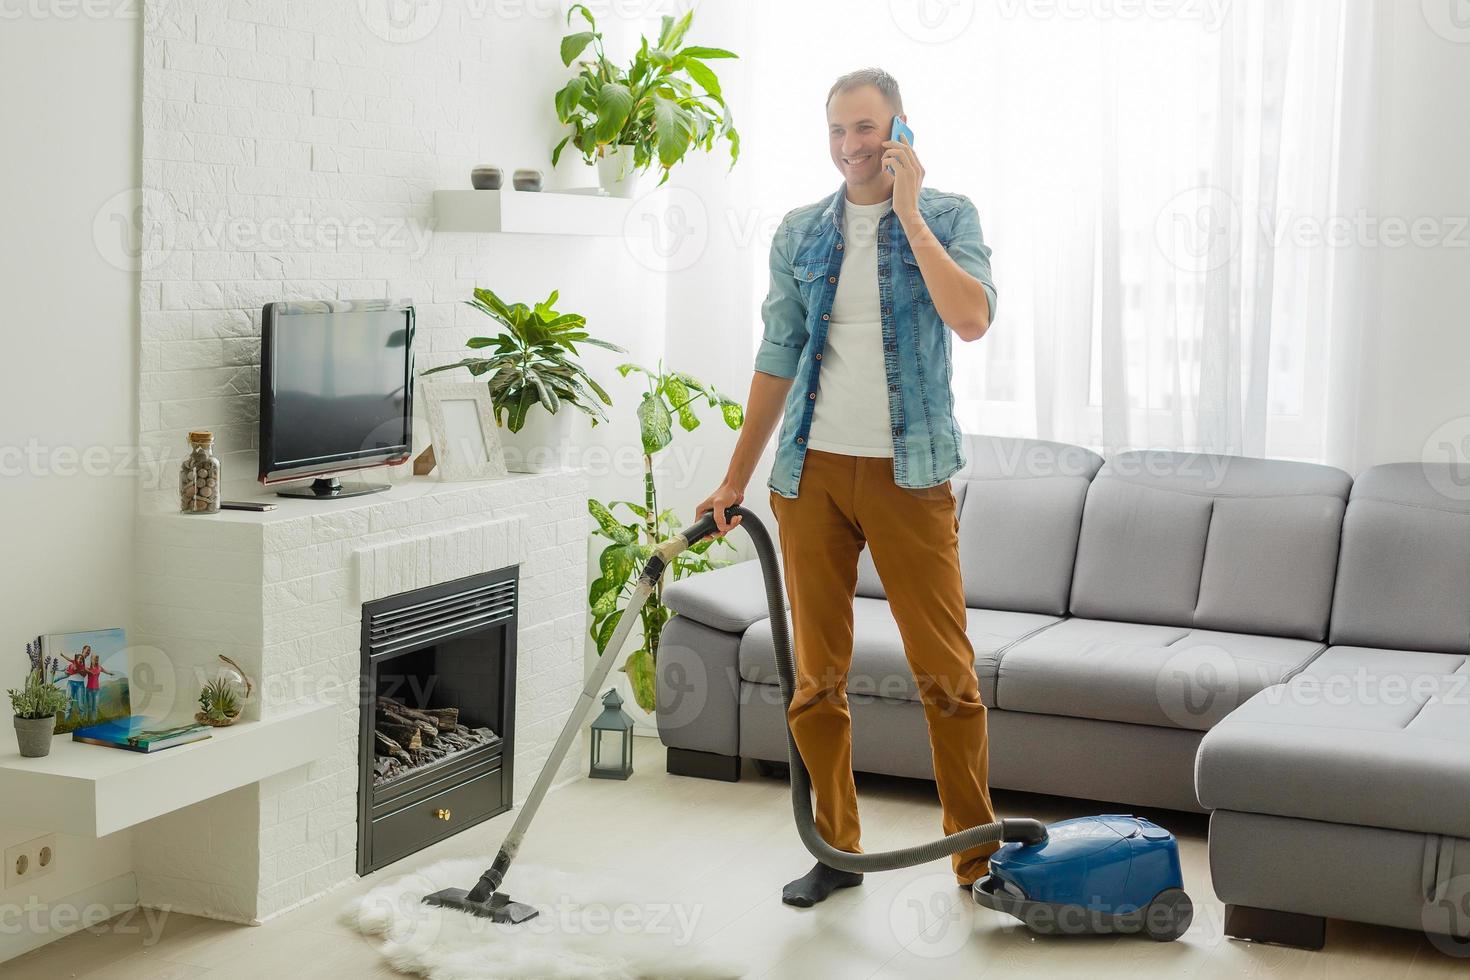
column 1168, row 916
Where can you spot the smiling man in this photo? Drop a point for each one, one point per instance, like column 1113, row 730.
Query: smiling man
column 869, row 287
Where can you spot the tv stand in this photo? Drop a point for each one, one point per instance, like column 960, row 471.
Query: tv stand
column 331, row 488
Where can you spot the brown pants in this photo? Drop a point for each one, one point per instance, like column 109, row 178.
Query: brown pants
column 914, row 536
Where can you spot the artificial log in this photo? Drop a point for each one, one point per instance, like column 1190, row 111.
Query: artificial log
column 387, row 716
column 383, row 745
column 442, row 719
column 407, row 736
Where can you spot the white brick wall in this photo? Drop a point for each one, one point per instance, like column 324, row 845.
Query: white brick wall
column 282, row 594
column 290, row 152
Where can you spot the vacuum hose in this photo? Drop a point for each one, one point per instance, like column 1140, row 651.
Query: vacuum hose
column 1024, row 830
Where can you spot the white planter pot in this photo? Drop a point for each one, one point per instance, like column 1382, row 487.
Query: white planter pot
column 615, row 172
column 544, row 442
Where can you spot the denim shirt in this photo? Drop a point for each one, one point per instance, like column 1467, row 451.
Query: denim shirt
column 806, row 259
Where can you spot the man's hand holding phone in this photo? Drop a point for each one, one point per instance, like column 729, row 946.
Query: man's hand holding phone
column 900, row 160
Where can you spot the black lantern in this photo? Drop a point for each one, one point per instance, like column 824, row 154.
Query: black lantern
column 612, row 740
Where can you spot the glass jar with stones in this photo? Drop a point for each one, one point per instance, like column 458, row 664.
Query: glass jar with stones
column 199, row 476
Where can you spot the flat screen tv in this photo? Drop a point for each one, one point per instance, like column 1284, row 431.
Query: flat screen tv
column 336, row 392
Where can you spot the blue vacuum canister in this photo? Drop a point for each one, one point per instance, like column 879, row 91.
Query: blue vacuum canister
column 1114, row 873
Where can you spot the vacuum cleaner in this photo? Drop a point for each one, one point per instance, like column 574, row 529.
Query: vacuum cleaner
column 1106, row 874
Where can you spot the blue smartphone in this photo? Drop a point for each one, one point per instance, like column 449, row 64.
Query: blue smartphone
column 900, row 128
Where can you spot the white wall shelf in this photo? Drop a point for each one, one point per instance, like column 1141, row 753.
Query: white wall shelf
column 93, row 790
column 535, row 213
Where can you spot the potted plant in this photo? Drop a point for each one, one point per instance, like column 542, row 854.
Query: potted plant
column 35, row 706
column 528, row 366
column 667, row 101
column 621, row 562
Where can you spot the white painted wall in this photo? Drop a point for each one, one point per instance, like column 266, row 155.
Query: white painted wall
column 69, row 128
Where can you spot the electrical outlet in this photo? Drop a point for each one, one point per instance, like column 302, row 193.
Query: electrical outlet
column 33, row 859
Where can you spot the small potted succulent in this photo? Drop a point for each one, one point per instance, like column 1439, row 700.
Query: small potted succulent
column 35, row 706
column 528, row 366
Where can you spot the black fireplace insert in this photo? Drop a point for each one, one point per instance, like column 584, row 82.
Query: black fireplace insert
column 437, row 713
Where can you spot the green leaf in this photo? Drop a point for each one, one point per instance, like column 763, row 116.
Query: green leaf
column 602, row 598
column 573, row 45
column 695, row 51
column 605, row 631
column 654, row 423
column 702, row 74
column 568, row 98
column 582, row 9
column 639, row 668
column 672, row 128
column 680, row 397
column 733, row 412
column 614, row 104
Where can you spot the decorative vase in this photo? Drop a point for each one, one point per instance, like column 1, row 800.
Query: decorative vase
column 33, row 735
column 615, row 171
column 485, row 178
column 543, row 443
column 526, row 179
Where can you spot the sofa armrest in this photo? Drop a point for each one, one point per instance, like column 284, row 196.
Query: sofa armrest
column 730, row 599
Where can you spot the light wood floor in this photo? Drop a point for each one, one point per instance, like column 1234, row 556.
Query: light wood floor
column 726, row 848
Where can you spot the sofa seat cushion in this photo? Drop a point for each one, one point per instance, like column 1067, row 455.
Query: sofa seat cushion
column 1366, row 736
column 728, row 598
column 879, row 665
column 1171, row 676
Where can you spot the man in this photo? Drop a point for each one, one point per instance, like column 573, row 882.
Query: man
column 866, row 288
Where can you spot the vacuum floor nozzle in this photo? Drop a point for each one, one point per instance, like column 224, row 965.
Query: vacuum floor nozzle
column 498, row 907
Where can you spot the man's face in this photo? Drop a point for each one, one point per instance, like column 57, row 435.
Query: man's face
column 858, row 121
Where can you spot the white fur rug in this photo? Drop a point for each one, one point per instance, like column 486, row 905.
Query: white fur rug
column 588, row 926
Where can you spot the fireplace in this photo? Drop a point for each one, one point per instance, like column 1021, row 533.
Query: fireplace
column 437, row 715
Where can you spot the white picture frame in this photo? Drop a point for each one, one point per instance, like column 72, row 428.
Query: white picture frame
column 462, row 430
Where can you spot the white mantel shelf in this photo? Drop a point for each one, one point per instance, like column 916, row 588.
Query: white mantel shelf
column 536, row 213
column 93, row 790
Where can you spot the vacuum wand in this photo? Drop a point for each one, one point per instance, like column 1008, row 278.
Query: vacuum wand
column 488, row 901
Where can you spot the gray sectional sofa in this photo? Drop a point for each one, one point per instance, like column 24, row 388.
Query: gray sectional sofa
column 1264, row 640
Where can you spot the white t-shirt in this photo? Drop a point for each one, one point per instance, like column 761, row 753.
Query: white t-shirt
column 850, row 415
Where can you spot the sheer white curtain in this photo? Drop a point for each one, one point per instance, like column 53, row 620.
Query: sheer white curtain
column 1169, row 196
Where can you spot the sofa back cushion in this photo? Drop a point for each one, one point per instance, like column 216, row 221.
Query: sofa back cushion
column 1229, row 543
column 1403, row 580
column 1020, row 507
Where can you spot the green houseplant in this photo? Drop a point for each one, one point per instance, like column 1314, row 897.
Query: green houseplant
column 35, row 706
column 659, row 107
column 531, row 362
column 669, row 394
